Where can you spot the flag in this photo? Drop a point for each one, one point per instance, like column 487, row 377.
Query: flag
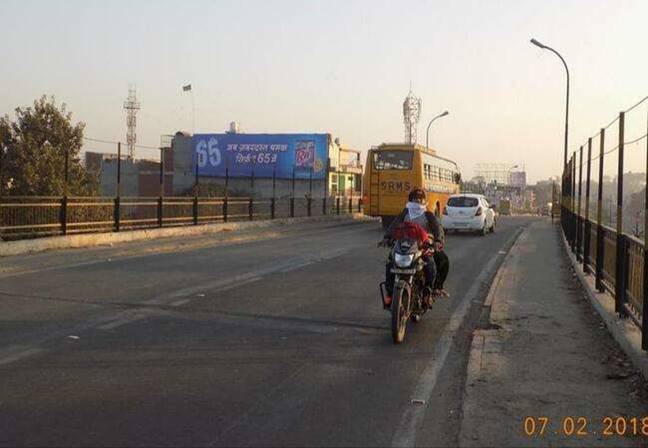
column 186, row 88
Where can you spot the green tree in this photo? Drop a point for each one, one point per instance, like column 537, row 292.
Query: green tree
column 34, row 147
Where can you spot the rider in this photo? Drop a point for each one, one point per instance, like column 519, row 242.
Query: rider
column 416, row 212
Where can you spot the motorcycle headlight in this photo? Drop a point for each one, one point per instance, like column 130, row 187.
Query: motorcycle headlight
column 403, row 261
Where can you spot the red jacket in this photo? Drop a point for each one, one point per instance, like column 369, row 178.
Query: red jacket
column 411, row 230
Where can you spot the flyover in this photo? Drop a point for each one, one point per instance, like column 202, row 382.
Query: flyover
column 278, row 340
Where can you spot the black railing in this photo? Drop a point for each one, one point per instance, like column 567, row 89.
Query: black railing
column 38, row 216
column 618, row 261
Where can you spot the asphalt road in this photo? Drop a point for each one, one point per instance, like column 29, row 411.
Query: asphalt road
column 280, row 341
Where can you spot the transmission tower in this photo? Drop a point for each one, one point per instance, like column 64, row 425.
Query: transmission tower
column 131, row 106
column 411, row 115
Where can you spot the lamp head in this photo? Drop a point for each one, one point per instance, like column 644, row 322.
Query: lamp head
column 444, row 113
column 538, row 44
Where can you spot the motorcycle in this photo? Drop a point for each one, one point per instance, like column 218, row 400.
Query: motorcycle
column 411, row 298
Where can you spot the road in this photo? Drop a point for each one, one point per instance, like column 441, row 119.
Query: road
column 277, row 341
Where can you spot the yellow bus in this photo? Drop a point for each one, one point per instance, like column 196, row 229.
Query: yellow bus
column 393, row 169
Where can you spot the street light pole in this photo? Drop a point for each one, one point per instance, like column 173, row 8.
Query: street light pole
column 544, row 47
column 427, row 132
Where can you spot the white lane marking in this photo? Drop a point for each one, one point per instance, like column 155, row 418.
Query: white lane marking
column 116, row 320
column 16, row 353
column 241, row 283
column 405, row 435
column 234, row 281
column 296, row 266
column 124, row 321
column 196, row 289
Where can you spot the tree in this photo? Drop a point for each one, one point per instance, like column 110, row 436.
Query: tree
column 33, row 150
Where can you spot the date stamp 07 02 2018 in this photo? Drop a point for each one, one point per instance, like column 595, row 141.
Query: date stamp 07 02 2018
column 581, row 426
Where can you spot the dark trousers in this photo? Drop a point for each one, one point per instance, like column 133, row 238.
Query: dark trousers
column 443, row 266
column 429, row 269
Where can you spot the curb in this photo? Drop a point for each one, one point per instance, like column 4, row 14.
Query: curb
column 21, row 247
column 478, row 340
column 624, row 331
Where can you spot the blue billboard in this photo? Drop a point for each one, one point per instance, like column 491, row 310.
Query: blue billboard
column 261, row 155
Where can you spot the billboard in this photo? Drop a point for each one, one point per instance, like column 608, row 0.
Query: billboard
column 241, row 155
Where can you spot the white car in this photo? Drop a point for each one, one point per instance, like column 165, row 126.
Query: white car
column 470, row 212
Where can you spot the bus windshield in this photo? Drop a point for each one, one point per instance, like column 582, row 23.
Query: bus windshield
column 393, row 160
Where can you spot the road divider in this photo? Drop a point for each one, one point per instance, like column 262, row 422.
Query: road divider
column 20, row 247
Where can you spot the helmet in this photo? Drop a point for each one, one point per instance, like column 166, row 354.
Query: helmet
column 417, row 194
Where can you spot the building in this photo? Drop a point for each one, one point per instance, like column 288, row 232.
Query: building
column 518, row 179
column 345, row 177
column 138, row 177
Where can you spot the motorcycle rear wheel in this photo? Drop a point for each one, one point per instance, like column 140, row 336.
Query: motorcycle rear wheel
column 400, row 310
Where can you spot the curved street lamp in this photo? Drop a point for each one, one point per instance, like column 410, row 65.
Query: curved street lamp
column 544, row 47
column 427, row 132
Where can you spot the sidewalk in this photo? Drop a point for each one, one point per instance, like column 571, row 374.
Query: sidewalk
column 547, row 353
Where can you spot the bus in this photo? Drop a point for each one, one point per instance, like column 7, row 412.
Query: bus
column 393, row 169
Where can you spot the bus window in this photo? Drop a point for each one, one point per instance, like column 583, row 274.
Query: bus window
column 393, row 160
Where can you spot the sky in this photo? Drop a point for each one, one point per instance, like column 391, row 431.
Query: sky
column 339, row 67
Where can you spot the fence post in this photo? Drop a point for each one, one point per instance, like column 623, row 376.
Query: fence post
column 310, row 191
column 63, row 214
column 600, row 247
column 274, row 187
column 337, row 204
column 567, row 198
column 160, row 198
column 292, row 196
column 620, row 249
column 351, row 204
column 226, row 198
column 644, row 314
column 574, row 217
column 579, row 220
column 326, row 185
column 117, row 208
column 195, row 199
column 588, row 226
column 360, row 205
column 64, row 199
column 570, row 189
column 562, row 194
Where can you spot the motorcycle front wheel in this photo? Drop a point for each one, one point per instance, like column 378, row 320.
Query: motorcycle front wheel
column 400, row 310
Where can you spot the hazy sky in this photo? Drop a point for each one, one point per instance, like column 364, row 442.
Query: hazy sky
column 341, row 67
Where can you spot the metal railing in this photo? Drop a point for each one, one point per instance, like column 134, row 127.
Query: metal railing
column 619, row 261
column 37, row 216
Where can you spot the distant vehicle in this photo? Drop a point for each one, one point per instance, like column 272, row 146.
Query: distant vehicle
column 505, row 207
column 468, row 212
column 393, row 169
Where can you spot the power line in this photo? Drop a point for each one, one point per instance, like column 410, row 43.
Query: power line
column 114, row 143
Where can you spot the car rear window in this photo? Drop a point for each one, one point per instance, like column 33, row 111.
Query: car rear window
column 462, row 201
column 393, row 160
